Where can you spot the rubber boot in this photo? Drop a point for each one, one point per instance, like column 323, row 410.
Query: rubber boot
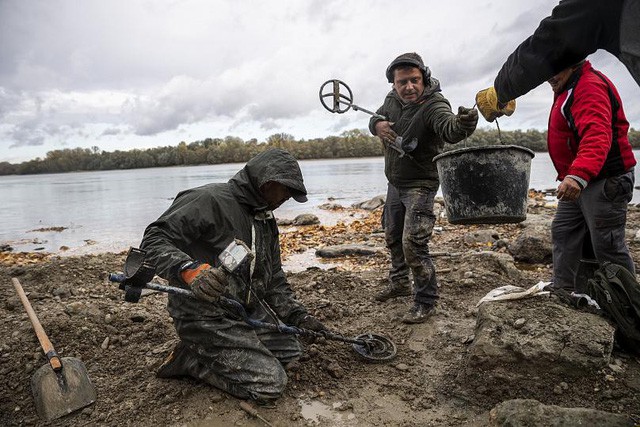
column 394, row 291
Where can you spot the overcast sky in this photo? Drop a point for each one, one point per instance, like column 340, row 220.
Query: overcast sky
column 124, row 74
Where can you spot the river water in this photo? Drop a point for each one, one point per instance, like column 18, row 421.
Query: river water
column 109, row 210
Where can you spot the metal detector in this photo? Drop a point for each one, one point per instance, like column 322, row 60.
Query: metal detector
column 342, row 100
column 138, row 274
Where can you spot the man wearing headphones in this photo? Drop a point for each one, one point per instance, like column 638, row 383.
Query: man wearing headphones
column 418, row 122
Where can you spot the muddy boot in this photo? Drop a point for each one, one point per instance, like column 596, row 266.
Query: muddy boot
column 175, row 364
column 394, row 291
column 419, row 313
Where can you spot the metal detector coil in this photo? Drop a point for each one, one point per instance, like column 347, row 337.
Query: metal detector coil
column 377, row 348
column 341, row 97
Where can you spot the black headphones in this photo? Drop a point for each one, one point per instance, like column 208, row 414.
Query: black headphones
column 403, row 60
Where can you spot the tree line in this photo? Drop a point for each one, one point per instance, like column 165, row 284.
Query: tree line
column 352, row 143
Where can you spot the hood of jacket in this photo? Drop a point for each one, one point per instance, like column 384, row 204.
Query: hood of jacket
column 274, row 164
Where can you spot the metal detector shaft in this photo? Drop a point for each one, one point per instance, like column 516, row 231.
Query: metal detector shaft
column 239, row 308
column 364, row 110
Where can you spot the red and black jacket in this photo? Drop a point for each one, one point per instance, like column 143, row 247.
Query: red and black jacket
column 588, row 129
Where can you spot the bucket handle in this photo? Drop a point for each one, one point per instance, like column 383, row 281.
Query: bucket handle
column 466, row 135
column 499, row 133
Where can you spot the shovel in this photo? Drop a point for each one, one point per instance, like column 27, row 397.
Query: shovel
column 62, row 385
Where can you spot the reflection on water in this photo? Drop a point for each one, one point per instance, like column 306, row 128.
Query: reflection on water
column 109, row 210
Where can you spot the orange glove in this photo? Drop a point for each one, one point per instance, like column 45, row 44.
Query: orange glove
column 207, row 283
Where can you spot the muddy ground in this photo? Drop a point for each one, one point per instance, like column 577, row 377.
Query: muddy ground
column 122, row 344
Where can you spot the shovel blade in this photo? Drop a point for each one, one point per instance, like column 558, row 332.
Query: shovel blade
column 57, row 394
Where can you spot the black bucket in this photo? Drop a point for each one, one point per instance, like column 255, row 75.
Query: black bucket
column 485, row 185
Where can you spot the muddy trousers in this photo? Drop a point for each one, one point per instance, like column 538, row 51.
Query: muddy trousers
column 600, row 215
column 234, row 357
column 408, row 222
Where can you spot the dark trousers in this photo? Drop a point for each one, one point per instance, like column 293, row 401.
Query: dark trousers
column 408, row 223
column 600, row 214
column 234, row 357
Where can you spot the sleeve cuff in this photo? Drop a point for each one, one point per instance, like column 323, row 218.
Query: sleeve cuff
column 581, row 182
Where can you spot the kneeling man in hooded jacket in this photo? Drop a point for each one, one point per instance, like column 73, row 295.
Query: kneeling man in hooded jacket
column 215, row 345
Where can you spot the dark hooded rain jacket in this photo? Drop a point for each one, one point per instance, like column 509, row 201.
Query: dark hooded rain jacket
column 202, row 221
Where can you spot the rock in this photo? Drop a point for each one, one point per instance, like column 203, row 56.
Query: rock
column 215, row 396
column 284, row 221
column 402, row 367
column 481, row 237
column 519, row 323
column 105, row 344
column 531, row 413
column 330, row 206
column 335, row 370
column 347, row 249
column 533, row 245
column 497, row 262
column 12, row 303
column 61, row 291
column 371, row 204
column 306, row 219
column 552, row 341
column 83, row 309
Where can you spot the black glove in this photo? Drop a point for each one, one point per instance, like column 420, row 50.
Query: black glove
column 311, row 323
column 468, row 119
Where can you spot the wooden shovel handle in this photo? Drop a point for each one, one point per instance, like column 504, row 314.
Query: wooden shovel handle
column 47, row 347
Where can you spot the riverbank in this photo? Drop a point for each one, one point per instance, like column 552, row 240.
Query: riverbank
column 430, row 382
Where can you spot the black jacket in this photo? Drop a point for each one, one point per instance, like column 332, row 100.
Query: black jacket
column 575, row 29
column 429, row 119
column 202, row 221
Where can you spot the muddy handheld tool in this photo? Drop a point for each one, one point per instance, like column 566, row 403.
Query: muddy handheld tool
column 62, row 385
column 342, row 100
column 138, row 275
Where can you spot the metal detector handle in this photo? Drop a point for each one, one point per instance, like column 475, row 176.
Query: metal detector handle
column 376, row 115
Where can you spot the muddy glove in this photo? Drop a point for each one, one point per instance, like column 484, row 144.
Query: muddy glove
column 489, row 106
column 468, row 118
column 207, row 283
column 311, row 323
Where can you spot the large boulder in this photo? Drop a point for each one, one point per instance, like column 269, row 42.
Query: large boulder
column 536, row 342
column 531, row 413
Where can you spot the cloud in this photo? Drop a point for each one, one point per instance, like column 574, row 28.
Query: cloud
column 136, row 72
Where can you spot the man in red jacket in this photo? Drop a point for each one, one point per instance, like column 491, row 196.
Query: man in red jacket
column 588, row 145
